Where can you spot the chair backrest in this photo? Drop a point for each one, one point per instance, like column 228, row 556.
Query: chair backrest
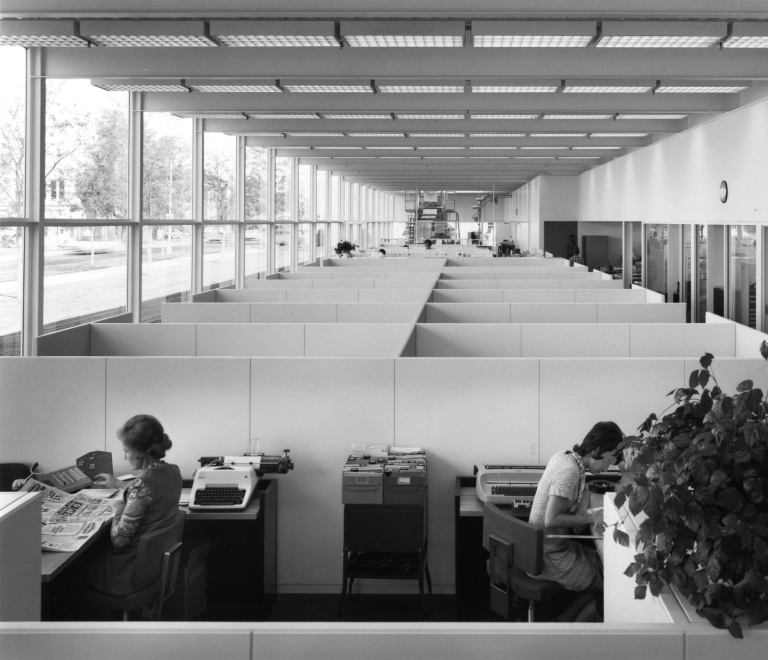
column 152, row 546
column 527, row 540
column 9, row 472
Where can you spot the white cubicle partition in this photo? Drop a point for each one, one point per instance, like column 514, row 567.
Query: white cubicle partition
column 355, row 340
column 209, row 312
column 146, row 339
column 251, row 339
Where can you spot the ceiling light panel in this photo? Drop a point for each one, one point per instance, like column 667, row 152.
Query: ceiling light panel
column 497, row 148
column 200, row 115
column 433, row 148
column 558, row 135
column 578, row 158
column 277, row 33
column 332, row 89
column 534, row 157
column 396, row 135
column 618, row 135
column 504, row 116
column 484, row 135
column 353, row 116
column 262, row 134
column 437, row 135
column 421, row 89
column 132, row 34
column 132, row 85
column 695, row 89
column 298, row 115
column 423, row 116
column 315, row 134
column 514, row 89
column 488, row 157
column 651, row 117
column 399, row 157
column 337, row 147
column 533, row 34
column 403, row 34
column 31, row 34
column 661, row 34
column 747, row 35
column 566, row 117
column 445, row 157
column 391, row 148
column 247, row 85
column 606, row 89
column 537, row 148
column 593, row 148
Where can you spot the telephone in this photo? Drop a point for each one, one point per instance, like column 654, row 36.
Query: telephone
column 68, row 479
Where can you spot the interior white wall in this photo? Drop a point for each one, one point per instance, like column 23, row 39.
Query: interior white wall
column 677, row 180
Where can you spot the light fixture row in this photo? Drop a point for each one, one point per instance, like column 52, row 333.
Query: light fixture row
column 390, row 33
column 431, row 148
column 438, row 135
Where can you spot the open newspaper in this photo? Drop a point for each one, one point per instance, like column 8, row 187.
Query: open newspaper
column 70, row 520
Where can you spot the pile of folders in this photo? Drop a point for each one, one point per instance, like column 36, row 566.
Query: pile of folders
column 377, row 474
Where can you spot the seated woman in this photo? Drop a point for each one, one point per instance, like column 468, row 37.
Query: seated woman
column 427, row 244
column 150, row 502
column 561, row 502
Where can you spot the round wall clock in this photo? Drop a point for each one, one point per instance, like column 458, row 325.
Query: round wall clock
column 723, row 192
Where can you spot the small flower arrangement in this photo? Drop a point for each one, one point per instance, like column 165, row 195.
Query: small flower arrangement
column 344, row 248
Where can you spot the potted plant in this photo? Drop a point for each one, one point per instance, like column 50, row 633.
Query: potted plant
column 344, row 248
column 701, row 478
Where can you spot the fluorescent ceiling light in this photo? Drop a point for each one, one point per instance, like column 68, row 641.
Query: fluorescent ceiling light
column 661, row 34
column 333, row 89
column 393, row 148
column 235, row 88
column 420, row 89
column 618, row 135
column 578, row 158
column 606, row 89
column 431, row 148
column 534, row 157
column 485, row 135
column 399, row 157
column 424, row 116
column 695, row 89
column 538, row 148
column 200, row 115
column 353, row 116
column 291, row 147
column 396, row 135
column 747, row 35
column 315, row 134
column 651, row 117
column 533, row 34
column 280, row 33
column 558, row 135
column 488, row 157
column 233, row 85
column 493, row 147
column 32, row 34
column 514, row 89
column 592, row 148
column 132, row 85
column 337, row 147
column 444, row 157
column 131, row 34
column 297, row 115
column 566, row 117
column 262, row 134
column 503, row 116
column 438, row 135
column 403, row 34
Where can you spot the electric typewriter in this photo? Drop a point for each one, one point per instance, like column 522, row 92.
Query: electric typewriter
column 229, row 482
column 513, row 485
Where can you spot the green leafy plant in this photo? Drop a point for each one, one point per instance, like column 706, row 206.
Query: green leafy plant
column 701, row 477
column 344, row 248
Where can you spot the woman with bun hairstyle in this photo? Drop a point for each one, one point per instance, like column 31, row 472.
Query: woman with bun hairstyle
column 149, row 502
column 562, row 502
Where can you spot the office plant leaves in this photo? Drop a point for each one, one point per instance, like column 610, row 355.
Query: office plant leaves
column 701, row 478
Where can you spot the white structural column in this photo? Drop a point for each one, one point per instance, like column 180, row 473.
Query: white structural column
column 240, row 212
column 695, row 263
column 312, row 214
column 294, row 242
column 760, row 279
column 135, row 202
column 271, row 212
column 198, row 156
column 626, row 255
column 34, row 200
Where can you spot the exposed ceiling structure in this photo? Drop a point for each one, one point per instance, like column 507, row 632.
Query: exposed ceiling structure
column 452, row 95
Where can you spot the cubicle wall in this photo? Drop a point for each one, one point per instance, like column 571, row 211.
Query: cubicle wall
column 345, row 283
column 493, row 294
column 463, row 411
column 367, row 295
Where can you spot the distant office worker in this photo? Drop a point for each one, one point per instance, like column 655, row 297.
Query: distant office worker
column 561, row 502
column 427, row 244
column 576, row 257
column 380, row 254
column 571, row 246
column 150, row 502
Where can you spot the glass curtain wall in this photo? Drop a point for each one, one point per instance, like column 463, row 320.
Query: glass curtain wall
column 255, row 252
column 167, row 167
column 305, row 185
column 335, row 210
column 12, row 130
column 321, row 235
column 283, row 247
column 742, row 275
column 304, row 238
column 656, row 258
column 283, row 183
column 218, row 256
column 219, row 173
column 321, row 196
column 334, row 234
column 166, row 268
column 687, row 270
column 256, row 184
column 701, row 231
column 11, row 289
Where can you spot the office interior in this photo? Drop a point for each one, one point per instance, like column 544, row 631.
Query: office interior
column 168, row 229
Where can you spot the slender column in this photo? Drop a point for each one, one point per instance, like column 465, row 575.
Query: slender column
column 198, row 156
column 313, row 213
column 135, row 202
column 34, row 201
column 626, row 255
column 760, row 279
column 240, row 213
column 271, row 212
column 294, row 242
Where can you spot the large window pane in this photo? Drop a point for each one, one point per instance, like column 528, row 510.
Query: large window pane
column 335, row 202
column 218, row 256
column 656, row 263
column 305, row 236
column 282, row 247
column 167, row 167
column 322, row 183
column 320, row 239
column 11, row 289
column 354, row 201
column 255, row 252
column 305, row 183
column 12, row 111
column 283, row 189
column 687, row 270
column 702, row 272
column 219, row 177
column 85, row 275
column 742, row 276
column 345, row 201
column 256, row 160
column 86, row 151
column 334, row 233
column 166, row 268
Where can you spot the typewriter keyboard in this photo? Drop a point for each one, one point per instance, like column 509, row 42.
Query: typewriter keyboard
column 219, row 497
column 512, row 491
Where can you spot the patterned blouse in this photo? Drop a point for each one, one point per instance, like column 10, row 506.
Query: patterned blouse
column 136, row 498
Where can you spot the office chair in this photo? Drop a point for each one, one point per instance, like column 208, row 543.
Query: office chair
column 10, row 472
column 156, row 566
column 516, row 549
